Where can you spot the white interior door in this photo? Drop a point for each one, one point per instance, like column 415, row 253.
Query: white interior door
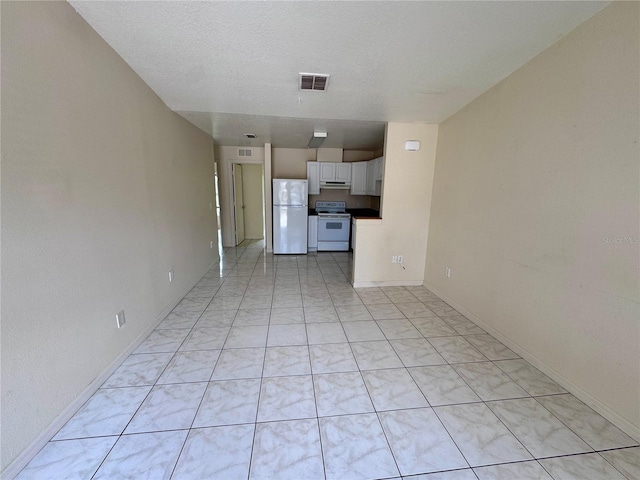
column 238, row 203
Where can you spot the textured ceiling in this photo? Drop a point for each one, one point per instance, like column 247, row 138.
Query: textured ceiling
column 232, row 67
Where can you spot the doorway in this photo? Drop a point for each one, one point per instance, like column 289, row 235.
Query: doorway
column 248, row 201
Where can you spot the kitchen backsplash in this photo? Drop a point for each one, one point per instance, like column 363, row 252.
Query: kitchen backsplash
column 353, row 201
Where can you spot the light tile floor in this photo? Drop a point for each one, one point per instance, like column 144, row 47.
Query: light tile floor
column 274, row 367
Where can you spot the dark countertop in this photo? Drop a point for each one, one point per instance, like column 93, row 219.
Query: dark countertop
column 355, row 212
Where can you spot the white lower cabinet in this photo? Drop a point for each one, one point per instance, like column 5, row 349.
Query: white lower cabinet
column 312, row 242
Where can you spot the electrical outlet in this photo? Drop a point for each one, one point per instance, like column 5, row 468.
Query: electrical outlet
column 120, row 321
column 210, row 205
column 211, row 244
column 400, row 258
column 394, row 259
column 170, row 276
column 447, row 272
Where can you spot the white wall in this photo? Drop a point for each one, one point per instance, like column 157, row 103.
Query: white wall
column 104, row 189
column 406, row 202
column 530, row 179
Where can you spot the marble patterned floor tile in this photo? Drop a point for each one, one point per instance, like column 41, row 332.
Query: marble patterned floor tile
column 238, row 363
column 252, row 316
column 229, row 402
column 398, row 329
column 216, row 452
column 286, row 361
column 317, row 300
column 163, row 341
column 530, row 378
column 196, row 366
column 149, row 456
column 286, row 316
column 247, row 337
column 538, row 430
column 461, row 474
column 415, row 309
column 593, row 428
column 283, row 335
column 286, row 398
column 191, row 305
column 211, row 338
column 416, row 352
column 287, row 300
column 216, row 318
column 456, row 349
column 319, row 333
column 402, row 297
column 175, row 321
column 530, row 470
column 626, row 461
column 341, row 394
column 393, row 389
column 225, row 302
column 591, row 466
column 490, row 347
column 441, row 308
column 107, row 412
column 480, row 435
column 488, row 381
column 432, row 327
column 375, row 355
column 363, row 331
column 355, row 447
column 373, row 298
column 138, row 370
column 344, row 299
column 78, row 458
column 384, row 311
column 463, row 325
column 287, row 450
column 353, row 313
column 325, row 314
column 442, row 385
column 168, row 407
column 332, row 358
column 419, row 442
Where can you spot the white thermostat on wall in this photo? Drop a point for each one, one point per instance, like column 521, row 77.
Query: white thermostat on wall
column 412, row 145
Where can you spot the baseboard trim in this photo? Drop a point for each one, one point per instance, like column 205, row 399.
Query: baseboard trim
column 622, row 423
column 398, row 283
column 21, row 461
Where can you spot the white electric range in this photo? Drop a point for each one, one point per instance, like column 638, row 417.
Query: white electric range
column 334, row 225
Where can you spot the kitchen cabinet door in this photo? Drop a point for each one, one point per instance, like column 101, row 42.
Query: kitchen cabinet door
column 313, row 177
column 327, row 171
column 343, row 172
column 359, row 178
column 371, row 178
column 378, row 168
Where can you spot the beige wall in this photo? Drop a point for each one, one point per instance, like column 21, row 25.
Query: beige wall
column 252, row 183
column 530, row 179
column 406, row 201
column 104, row 189
column 291, row 162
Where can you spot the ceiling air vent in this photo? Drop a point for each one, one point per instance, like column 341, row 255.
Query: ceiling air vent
column 244, row 152
column 314, row 81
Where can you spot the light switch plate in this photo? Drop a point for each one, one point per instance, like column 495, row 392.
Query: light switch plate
column 120, row 321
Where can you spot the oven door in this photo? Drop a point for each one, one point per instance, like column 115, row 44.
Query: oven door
column 333, row 229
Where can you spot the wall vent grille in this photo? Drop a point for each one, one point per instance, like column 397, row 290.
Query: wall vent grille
column 244, row 152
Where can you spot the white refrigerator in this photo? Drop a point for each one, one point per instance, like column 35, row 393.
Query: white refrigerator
column 290, row 213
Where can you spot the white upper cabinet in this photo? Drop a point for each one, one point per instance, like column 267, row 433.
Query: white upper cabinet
column 335, row 172
column 371, row 178
column 313, row 176
column 359, row 178
column 343, row 172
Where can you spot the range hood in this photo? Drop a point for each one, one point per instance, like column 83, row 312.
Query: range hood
column 335, row 185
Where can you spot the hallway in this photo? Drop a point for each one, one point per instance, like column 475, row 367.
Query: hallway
column 275, row 367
